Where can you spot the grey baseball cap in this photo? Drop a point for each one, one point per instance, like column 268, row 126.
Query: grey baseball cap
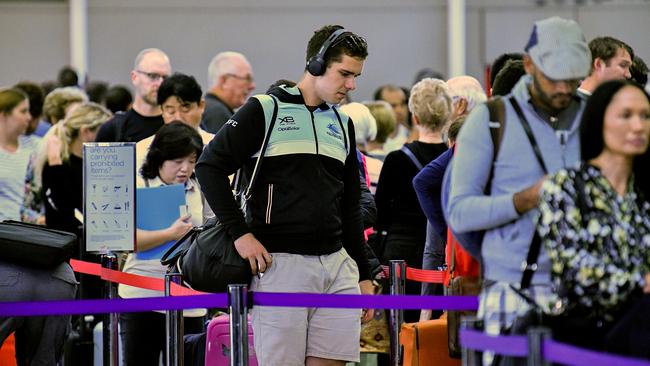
column 559, row 49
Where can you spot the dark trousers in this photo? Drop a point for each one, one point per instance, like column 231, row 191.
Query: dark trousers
column 143, row 336
column 39, row 339
column 411, row 250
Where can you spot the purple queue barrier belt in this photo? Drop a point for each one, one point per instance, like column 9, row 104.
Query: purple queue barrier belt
column 366, row 301
column 221, row 300
column 516, row 346
column 112, row 306
column 553, row 351
column 575, row 356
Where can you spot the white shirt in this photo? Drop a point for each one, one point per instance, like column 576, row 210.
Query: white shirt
column 13, row 169
column 142, row 147
column 200, row 212
column 396, row 143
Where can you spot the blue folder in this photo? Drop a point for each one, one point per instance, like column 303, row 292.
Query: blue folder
column 157, row 208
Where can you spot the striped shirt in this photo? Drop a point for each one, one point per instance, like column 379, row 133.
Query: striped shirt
column 13, row 168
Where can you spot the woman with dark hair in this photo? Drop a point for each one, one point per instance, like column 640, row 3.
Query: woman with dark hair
column 170, row 160
column 595, row 218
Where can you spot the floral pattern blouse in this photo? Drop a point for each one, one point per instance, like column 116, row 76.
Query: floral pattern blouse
column 598, row 242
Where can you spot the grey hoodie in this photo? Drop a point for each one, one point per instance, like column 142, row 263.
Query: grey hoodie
column 508, row 235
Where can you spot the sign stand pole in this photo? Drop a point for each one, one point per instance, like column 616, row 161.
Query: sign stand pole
column 110, row 329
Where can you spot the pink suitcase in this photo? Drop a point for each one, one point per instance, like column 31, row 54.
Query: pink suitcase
column 217, row 343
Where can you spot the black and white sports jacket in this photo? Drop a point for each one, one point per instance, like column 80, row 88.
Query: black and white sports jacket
column 306, row 197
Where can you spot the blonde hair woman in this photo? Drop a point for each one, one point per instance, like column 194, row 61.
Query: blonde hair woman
column 60, row 164
column 398, row 211
column 386, row 123
column 60, row 100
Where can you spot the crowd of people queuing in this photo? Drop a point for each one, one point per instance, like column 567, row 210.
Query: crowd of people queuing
column 560, row 173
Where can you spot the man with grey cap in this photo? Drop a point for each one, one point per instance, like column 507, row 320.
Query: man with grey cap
column 557, row 58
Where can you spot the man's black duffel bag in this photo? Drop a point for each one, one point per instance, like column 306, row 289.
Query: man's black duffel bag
column 34, row 245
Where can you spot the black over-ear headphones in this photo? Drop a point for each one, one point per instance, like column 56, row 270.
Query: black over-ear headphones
column 316, row 64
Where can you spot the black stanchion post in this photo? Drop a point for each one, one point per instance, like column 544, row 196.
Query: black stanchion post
column 536, row 337
column 110, row 321
column 471, row 357
column 397, row 274
column 174, row 325
column 238, row 308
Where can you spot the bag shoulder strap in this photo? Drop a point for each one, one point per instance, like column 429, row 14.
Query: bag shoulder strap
column 529, row 133
column 345, row 136
column 411, row 157
column 530, row 266
column 265, row 143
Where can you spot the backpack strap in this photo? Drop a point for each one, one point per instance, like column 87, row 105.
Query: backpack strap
column 121, row 126
column 497, row 110
column 452, row 260
column 497, row 123
column 411, row 156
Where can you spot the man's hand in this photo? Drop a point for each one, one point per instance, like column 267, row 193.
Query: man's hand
column 252, row 250
column 528, row 199
column 367, row 288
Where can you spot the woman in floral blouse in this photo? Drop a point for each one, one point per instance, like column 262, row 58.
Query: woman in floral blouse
column 595, row 218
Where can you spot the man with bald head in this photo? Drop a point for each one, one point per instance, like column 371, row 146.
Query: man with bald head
column 466, row 93
column 150, row 68
column 230, row 79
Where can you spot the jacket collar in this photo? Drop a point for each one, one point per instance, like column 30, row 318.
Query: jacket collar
column 567, row 117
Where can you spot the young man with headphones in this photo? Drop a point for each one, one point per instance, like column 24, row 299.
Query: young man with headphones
column 301, row 230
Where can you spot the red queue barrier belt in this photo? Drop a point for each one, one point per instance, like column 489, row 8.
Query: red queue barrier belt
column 420, row 275
column 156, row 284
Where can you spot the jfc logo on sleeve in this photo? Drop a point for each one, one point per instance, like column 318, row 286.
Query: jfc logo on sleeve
column 232, row 122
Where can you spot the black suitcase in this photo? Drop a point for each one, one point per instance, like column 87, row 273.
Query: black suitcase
column 33, row 245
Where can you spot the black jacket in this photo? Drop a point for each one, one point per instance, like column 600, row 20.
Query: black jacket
column 306, row 197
